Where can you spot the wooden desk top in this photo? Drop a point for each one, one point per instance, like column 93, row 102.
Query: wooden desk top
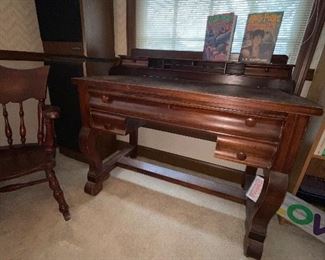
column 233, row 93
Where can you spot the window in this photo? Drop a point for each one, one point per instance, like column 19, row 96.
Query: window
column 181, row 24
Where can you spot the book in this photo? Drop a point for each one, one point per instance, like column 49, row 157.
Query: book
column 260, row 37
column 218, row 37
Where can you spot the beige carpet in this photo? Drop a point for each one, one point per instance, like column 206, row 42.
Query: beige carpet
column 134, row 217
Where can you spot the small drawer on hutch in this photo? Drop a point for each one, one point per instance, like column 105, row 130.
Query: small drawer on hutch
column 281, row 73
column 254, row 153
column 111, row 123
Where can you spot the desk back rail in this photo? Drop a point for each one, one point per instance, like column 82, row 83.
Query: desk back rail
column 208, row 77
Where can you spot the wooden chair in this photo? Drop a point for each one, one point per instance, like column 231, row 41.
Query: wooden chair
column 17, row 160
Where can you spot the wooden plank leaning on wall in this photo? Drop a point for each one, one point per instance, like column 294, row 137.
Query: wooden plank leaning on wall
column 306, row 154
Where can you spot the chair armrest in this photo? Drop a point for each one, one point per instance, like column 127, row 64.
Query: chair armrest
column 51, row 112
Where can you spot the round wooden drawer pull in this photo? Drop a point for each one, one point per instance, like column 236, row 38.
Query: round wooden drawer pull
column 105, row 98
column 250, row 122
column 241, row 156
column 107, row 126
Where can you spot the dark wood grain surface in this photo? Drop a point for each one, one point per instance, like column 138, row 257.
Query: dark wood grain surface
column 260, row 126
column 233, row 92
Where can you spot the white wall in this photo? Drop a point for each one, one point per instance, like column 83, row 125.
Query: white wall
column 19, row 31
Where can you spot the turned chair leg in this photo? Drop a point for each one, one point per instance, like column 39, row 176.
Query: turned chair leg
column 58, row 194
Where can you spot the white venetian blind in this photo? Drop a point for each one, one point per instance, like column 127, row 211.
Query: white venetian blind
column 181, row 24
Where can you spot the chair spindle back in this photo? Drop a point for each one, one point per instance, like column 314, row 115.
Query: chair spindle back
column 16, row 86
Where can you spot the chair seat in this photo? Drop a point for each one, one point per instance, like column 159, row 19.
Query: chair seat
column 20, row 160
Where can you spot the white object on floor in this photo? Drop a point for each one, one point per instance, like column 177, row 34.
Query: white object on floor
column 255, row 189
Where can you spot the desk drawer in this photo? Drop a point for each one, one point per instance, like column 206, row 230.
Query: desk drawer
column 220, row 122
column 110, row 123
column 254, row 153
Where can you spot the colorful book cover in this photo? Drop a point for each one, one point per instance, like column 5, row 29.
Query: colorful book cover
column 260, row 37
column 304, row 215
column 219, row 35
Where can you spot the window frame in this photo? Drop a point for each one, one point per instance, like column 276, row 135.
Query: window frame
column 305, row 54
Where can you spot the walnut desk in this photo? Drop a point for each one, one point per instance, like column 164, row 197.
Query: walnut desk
column 261, row 128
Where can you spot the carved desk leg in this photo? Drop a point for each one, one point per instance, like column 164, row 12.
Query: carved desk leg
column 134, row 142
column 260, row 213
column 87, row 140
column 248, row 176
